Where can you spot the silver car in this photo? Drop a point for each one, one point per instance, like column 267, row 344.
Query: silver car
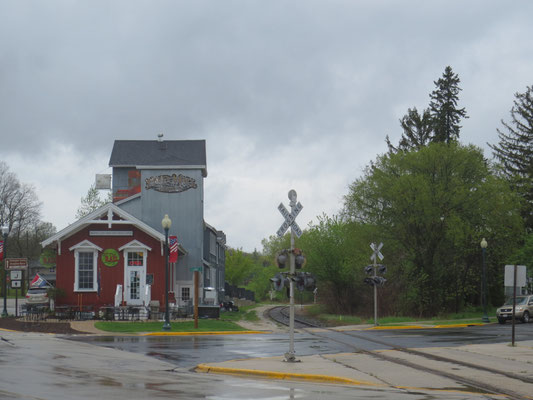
column 523, row 311
column 37, row 296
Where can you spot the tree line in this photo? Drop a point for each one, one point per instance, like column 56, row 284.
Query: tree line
column 431, row 200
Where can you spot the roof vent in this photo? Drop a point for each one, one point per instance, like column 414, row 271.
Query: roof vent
column 162, row 144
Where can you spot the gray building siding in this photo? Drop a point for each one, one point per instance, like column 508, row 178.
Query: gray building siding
column 135, row 162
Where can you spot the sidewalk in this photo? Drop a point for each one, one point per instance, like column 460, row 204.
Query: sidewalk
column 366, row 370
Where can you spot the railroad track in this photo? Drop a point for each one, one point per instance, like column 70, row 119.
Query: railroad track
column 280, row 314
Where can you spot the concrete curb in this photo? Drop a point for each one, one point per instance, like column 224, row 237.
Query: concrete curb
column 282, row 375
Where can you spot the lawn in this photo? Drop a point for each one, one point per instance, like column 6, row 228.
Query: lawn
column 204, row 325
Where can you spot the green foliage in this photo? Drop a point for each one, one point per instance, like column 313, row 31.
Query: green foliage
column 204, row 325
column 514, row 151
column 336, row 253
column 239, row 267
column 246, row 313
column 91, row 201
column 443, row 107
column 251, row 271
column 436, row 204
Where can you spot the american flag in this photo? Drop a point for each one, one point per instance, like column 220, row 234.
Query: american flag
column 173, row 246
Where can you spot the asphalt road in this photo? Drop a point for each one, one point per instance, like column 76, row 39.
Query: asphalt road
column 188, row 351
column 41, row 366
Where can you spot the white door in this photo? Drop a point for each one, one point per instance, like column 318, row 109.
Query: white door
column 184, row 295
column 135, row 286
column 134, row 278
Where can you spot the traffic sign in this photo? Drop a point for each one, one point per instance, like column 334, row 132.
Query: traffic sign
column 376, row 254
column 16, row 263
column 192, row 269
column 16, row 275
column 290, row 219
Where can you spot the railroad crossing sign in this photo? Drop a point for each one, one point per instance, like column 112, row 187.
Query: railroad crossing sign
column 376, row 254
column 290, row 219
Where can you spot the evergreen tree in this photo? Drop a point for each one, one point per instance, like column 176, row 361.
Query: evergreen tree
column 514, row 151
column 416, row 131
column 443, row 107
column 438, row 123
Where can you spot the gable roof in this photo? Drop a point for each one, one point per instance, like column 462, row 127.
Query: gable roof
column 165, row 154
column 96, row 217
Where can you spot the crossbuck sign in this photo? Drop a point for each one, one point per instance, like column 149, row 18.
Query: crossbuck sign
column 290, row 219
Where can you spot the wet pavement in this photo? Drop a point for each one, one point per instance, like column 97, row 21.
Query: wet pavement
column 40, row 366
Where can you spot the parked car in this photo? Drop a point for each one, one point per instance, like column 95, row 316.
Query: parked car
column 523, row 311
column 37, row 296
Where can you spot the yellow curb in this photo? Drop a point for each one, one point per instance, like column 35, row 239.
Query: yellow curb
column 378, row 328
column 459, row 325
column 7, row 330
column 282, row 375
column 203, row 333
column 423, row 327
column 205, row 368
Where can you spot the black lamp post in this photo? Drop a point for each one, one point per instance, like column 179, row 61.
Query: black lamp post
column 166, row 222
column 5, row 231
column 485, row 318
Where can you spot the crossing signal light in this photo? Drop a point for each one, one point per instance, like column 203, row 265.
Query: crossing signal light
column 278, row 282
column 299, row 280
column 299, row 258
column 282, row 258
column 369, row 269
column 382, row 269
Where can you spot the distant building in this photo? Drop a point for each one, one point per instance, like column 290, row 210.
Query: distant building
column 116, row 253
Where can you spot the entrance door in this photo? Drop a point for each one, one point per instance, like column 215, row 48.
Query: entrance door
column 135, row 278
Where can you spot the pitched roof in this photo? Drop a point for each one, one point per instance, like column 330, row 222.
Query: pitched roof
column 104, row 215
column 165, row 154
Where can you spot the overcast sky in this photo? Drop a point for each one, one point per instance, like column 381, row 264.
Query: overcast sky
column 288, row 94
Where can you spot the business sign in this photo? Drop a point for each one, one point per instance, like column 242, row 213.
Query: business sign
column 16, row 263
column 110, row 257
column 48, row 258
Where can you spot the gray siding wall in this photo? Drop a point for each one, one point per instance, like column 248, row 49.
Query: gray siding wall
column 185, row 209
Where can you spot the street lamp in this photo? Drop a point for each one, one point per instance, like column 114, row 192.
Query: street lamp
column 5, row 231
column 166, row 222
column 485, row 318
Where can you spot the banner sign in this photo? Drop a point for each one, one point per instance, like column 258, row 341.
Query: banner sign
column 1, row 250
column 173, row 249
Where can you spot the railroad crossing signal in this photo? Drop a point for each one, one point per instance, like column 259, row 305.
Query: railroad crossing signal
column 376, row 254
column 290, row 219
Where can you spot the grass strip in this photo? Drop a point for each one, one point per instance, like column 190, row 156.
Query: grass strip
column 176, row 326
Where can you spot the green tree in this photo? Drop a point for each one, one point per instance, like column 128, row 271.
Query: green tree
column 443, row 107
column 337, row 252
column 91, row 201
column 514, row 152
column 417, row 131
column 436, row 203
column 239, row 267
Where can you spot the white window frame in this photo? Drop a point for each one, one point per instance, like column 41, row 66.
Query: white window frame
column 86, row 247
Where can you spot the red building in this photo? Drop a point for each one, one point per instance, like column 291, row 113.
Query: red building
column 109, row 258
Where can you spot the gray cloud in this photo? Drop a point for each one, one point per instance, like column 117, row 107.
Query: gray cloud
column 286, row 92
